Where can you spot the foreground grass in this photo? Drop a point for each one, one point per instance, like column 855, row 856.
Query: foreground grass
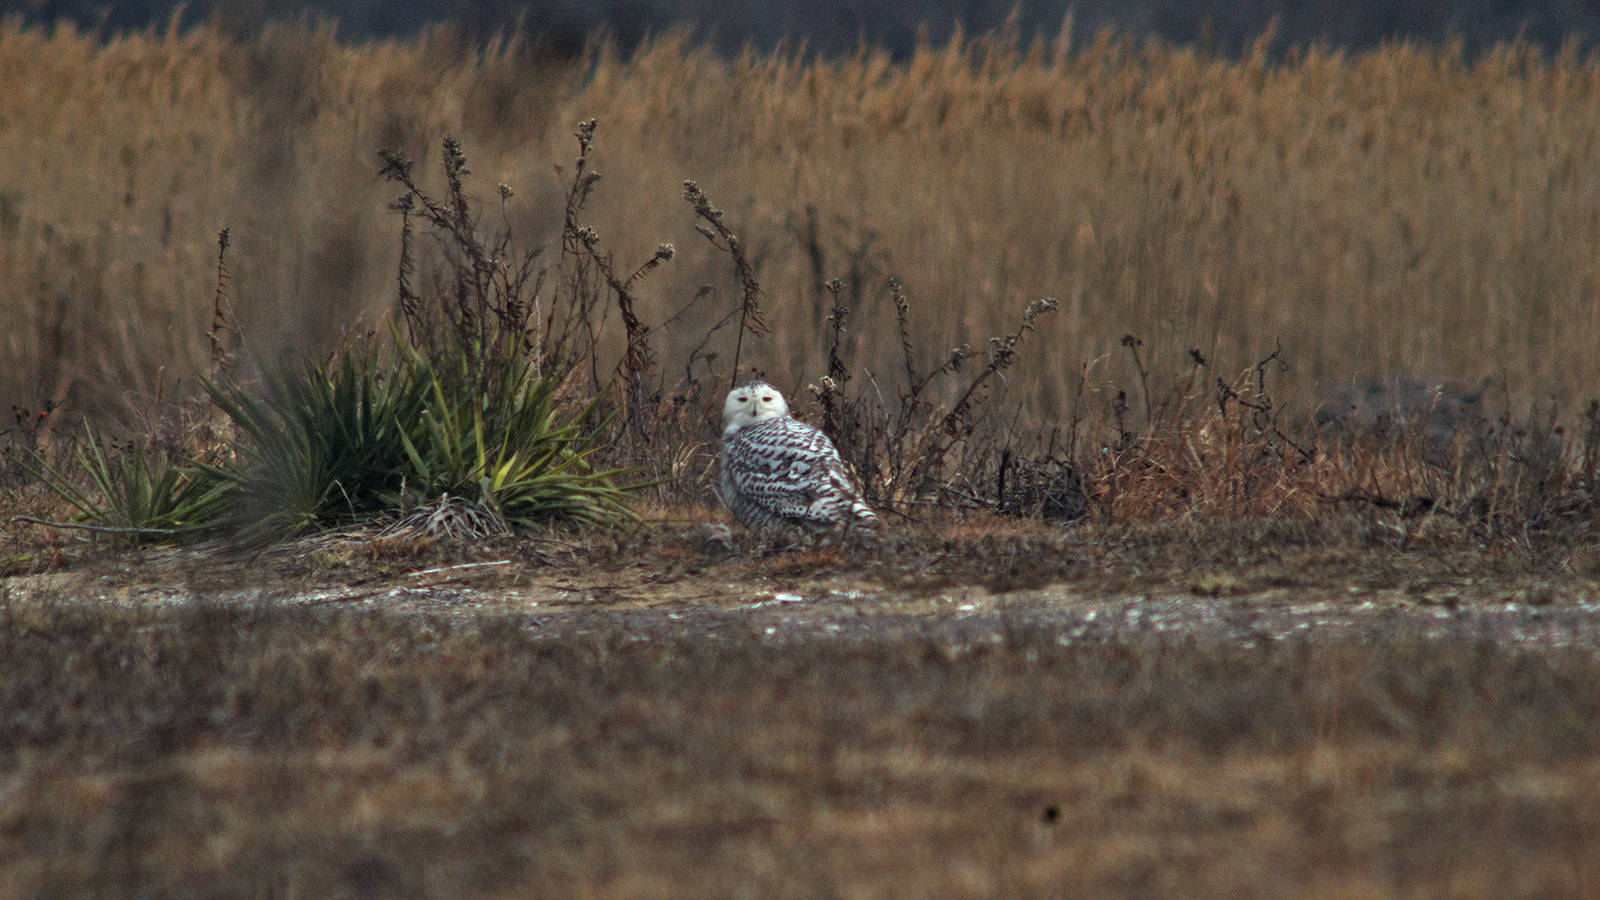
column 239, row 752
column 883, row 745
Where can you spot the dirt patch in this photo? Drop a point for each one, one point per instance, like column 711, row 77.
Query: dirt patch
column 1243, row 582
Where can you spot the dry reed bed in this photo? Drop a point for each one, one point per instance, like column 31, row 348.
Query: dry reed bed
column 1398, row 212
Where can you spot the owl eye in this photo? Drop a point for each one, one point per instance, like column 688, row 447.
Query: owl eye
column 766, row 399
column 743, row 399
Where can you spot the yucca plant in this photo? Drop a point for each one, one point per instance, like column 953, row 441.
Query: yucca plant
column 379, row 429
column 141, row 493
column 322, row 443
column 463, row 402
column 497, row 429
column 510, row 447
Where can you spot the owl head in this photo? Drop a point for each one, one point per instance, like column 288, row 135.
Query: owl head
column 749, row 403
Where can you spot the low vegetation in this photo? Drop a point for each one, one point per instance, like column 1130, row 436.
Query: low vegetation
column 469, row 398
column 1091, row 279
column 489, row 388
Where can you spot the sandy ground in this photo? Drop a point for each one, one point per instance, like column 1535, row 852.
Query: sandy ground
column 779, row 592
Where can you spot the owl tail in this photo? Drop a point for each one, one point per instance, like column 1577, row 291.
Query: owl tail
column 863, row 513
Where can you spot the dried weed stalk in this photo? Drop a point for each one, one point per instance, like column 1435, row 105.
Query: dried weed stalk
column 717, row 232
column 933, row 442
column 224, row 322
column 483, row 302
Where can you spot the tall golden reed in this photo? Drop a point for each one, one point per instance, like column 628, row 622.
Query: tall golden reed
column 1400, row 212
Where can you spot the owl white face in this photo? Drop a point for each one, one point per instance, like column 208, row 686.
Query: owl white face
column 749, row 403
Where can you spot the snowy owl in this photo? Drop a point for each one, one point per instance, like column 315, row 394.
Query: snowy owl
column 778, row 472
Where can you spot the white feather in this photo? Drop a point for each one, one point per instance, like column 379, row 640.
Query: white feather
column 779, row 472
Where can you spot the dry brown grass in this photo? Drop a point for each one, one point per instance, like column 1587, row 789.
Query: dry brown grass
column 220, row 753
column 1394, row 214
column 1398, row 212
column 1206, row 209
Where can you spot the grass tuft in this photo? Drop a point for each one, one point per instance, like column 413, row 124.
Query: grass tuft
column 139, row 492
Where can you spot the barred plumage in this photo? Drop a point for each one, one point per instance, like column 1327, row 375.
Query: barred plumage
column 778, row 472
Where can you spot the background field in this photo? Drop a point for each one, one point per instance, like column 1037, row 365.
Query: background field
column 1399, row 212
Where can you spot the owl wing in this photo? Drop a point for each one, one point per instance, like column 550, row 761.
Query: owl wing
column 785, row 471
